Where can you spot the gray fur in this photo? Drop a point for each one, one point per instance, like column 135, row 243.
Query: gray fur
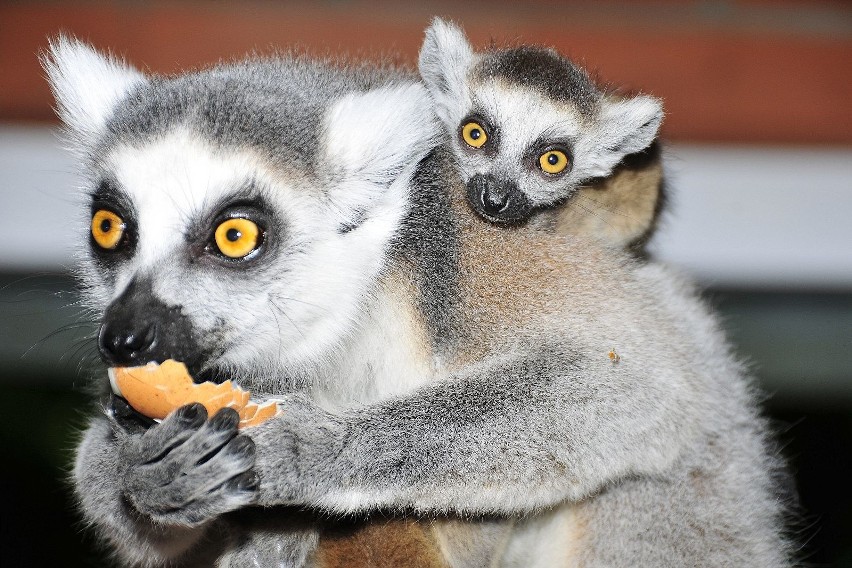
column 429, row 239
column 146, row 492
column 468, row 376
column 238, row 104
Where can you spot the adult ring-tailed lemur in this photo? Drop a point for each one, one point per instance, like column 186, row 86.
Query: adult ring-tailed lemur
column 430, row 362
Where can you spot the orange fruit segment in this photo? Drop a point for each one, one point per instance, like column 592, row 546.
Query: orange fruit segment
column 255, row 414
column 156, row 390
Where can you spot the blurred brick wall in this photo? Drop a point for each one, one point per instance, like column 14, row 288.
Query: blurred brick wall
column 729, row 71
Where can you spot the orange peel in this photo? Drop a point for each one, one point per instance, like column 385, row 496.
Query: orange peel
column 156, row 390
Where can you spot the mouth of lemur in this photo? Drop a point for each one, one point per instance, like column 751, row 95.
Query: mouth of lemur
column 139, row 343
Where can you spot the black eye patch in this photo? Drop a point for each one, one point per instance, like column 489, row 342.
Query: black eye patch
column 472, row 138
column 113, row 232
column 238, row 231
column 548, row 149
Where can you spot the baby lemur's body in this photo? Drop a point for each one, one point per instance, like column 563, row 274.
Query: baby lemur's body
column 262, row 225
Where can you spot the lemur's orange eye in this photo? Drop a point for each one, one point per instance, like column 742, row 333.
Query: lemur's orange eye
column 474, row 134
column 553, row 162
column 237, row 238
column 107, row 229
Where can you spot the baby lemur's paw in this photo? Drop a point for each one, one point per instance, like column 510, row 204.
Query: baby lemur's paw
column 188, row 469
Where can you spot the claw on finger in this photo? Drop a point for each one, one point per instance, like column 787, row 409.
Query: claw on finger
column 225, row 419
column 241, row 446
column 247, row 481
column 192, row 414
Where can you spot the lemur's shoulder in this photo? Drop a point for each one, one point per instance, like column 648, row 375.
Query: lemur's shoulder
column 621, row 210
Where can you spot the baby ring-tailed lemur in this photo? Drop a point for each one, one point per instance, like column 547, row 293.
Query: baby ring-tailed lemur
column 619, row 210
column 428, row 362
column 529, row 128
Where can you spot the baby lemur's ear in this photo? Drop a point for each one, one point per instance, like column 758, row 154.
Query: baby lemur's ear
column 445, row 58
column 374, row 140
column 625, row 126
column 87, row 85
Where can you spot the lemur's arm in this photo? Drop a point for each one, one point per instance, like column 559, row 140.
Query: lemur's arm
column 145, row 490
column 513, row 436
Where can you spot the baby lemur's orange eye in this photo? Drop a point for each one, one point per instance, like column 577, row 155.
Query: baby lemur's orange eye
column 237, row 237
column 107, row 229
column 474, row 134
column 553, row 162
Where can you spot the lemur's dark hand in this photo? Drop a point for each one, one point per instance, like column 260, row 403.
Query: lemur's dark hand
column 187, row 469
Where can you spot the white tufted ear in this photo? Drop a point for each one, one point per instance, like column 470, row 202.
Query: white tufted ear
column 86, row 84
column 445, row 59
column 625, row 126
column 376, row 137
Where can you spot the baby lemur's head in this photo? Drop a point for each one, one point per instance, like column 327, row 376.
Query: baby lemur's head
column 527, row 125
column 236, row 216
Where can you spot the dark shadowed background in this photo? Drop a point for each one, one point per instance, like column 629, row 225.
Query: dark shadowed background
column 758, row 95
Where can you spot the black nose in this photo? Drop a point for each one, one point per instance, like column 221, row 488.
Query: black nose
column 498, row 200
column 122, row 343
column 139, row 328
column 494, row 200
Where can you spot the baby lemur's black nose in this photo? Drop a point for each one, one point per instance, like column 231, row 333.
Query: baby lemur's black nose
column 495, row 202
column 498, row 200
column 139, row 328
